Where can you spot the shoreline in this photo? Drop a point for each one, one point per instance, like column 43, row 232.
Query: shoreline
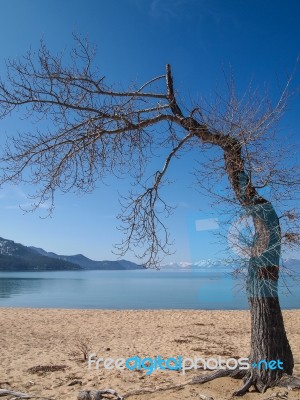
column 31, row 337
column 128, row 309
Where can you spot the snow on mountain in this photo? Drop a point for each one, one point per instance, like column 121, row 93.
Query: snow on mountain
column 218, row 264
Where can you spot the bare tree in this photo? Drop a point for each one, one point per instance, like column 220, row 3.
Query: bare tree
column 98, row 130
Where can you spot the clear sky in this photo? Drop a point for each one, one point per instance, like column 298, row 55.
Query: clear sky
column 259, row 40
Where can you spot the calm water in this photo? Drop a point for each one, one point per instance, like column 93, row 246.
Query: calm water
column 129, row 290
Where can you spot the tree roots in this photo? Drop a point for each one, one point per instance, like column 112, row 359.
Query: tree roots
column 246, row 386
column 287, row 381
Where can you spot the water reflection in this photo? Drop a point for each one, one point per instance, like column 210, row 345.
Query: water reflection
column 127, row 290
column 16, row 286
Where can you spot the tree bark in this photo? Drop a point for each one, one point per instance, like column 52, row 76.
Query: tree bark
column 268, row 342
column 268, row 336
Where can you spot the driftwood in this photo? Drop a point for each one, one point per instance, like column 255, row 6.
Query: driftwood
column 20, row 395
column 97, row 394
column 278, row 395
column 157, row 389
column 75, row 382
column 5, row 392
column 203, row 397
column 46, row 368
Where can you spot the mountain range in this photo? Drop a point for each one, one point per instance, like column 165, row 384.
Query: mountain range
column 209, row 264
column 17, row 257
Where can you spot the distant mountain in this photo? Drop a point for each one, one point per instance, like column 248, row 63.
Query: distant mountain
column 89, row 264
column 200, row 265
column 16, row 257
column 218, row 265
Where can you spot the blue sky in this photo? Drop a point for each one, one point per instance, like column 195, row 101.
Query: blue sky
column 259, row 40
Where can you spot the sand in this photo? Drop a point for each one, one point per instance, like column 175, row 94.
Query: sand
column 33, row 337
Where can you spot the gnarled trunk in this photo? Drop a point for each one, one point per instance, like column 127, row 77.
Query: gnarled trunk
column 271, row 354
column 268, row 342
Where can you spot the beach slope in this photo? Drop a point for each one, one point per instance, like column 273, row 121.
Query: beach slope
column 31, row 340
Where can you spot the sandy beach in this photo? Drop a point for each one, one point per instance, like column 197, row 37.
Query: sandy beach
column 52, row 337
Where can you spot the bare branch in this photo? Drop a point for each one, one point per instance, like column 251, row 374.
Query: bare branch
column 140, row 219
column 96, row 130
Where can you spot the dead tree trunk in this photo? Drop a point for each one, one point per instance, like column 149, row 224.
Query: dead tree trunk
column 268, row 337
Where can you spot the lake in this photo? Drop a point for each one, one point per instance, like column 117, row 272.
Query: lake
column 140, row 289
